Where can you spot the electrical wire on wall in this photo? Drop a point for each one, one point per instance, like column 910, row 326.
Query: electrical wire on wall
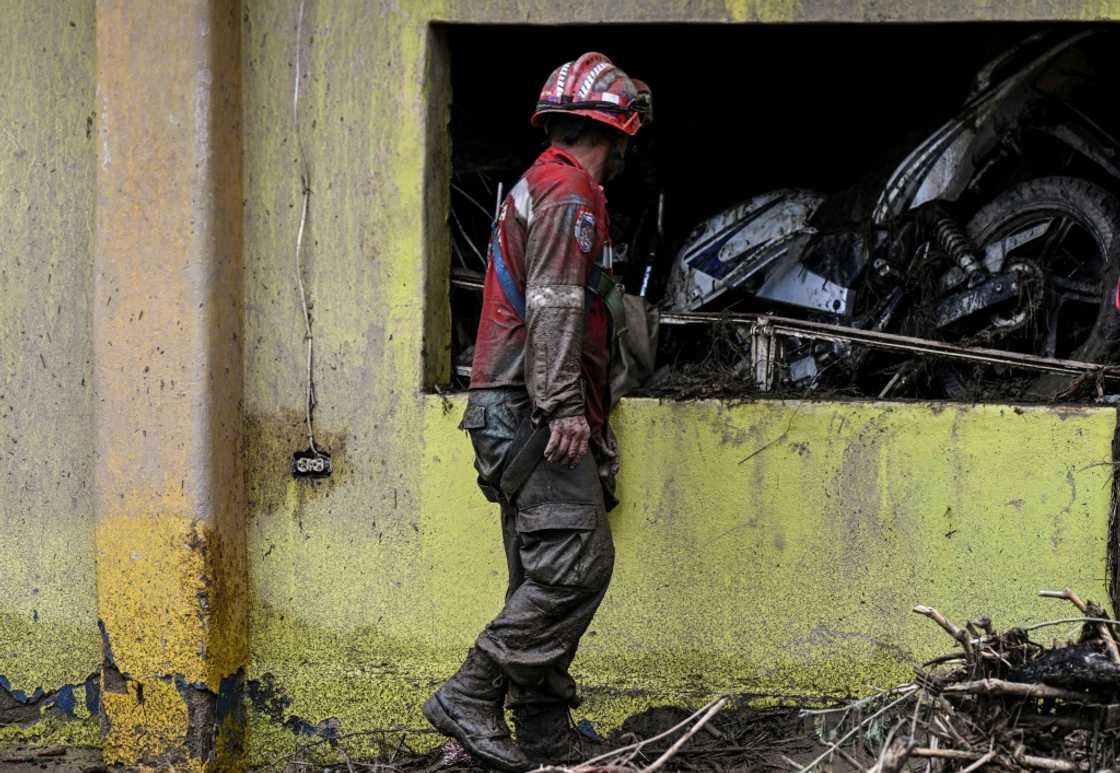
column 312, row 462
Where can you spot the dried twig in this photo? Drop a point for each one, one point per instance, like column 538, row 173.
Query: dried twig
column 836, row 744
column 849, row 759
column 1067, row 620
column 981, row 762
column 1048, row 763
column 610, row 758
column 945, row 754
column 660, row 761
column 962, row 637
column 857, row 704
column 1022, row 689
column 984, row 717
column 951, row 732
column 1030, row 760
column 893, row 757
column 1102, row 628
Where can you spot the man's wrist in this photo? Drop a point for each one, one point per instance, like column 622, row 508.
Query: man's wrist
column 540, row 417
column 566, row 412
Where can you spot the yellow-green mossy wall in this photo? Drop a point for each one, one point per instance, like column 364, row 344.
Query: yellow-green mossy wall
column 779, row 547
column 48, row 616
column 793, row 571
column 368, row 588
column 770, row 548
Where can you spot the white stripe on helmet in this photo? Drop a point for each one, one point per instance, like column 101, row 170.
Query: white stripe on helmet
column 562, row 78
column 592, row 76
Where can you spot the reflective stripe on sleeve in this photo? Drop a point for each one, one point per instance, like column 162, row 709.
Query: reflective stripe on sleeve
column 523, row 202
column 555, row 297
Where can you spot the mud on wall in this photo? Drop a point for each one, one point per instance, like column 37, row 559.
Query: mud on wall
column 49, row 643
column 368, row 588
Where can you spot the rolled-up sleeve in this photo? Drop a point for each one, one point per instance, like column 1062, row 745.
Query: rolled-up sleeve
column 556, row 278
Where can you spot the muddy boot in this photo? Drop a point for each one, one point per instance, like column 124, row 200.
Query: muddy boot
column 546, row 734
column 468, row 708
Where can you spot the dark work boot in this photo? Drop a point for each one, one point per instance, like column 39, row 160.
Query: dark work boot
column 468, row 708
column 546, row 734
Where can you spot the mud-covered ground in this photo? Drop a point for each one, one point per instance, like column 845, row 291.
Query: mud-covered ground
column 736, row 739
column 55, row 759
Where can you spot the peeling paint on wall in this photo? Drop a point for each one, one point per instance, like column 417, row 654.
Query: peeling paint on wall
column 17, row 707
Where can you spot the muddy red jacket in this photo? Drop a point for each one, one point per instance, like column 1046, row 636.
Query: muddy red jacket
column 541, row 327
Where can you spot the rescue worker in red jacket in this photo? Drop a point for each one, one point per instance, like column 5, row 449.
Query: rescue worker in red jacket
column 537, row 417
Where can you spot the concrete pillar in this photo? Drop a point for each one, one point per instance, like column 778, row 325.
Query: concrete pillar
column 171, row 577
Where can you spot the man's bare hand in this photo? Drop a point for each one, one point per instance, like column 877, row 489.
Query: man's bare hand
column 568, row 440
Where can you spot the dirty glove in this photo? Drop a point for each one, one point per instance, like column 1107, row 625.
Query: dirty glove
column 568, row 440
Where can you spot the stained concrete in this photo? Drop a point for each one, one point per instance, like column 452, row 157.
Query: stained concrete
column 48, row 630
column 365, row 589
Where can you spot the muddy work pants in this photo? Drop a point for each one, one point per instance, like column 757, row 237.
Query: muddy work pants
column 558, row 550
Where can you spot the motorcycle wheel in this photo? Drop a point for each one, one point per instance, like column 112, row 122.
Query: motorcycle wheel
column 1078, row 256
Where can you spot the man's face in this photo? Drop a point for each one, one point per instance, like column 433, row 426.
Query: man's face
column 616, row 161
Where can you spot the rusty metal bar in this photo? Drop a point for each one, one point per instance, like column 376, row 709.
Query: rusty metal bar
column 893, row 342
column 800, row 328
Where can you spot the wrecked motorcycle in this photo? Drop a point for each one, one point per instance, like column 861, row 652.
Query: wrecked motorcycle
column 1000, row 230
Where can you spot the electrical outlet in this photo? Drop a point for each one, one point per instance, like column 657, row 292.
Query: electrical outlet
column 311, row 464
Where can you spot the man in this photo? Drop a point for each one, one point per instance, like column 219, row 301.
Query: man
column 538, row 403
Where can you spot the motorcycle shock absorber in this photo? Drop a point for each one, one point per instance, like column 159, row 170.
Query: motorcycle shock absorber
column 952, row 239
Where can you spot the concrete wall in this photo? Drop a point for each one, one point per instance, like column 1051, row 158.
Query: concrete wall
column 792, row 572
column 48, row 616
column 169, row 504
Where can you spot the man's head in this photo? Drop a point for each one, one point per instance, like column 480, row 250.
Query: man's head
column 592, row 107
column 597, row 144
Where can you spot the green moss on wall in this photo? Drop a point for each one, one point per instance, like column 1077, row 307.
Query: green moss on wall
column 793, row 572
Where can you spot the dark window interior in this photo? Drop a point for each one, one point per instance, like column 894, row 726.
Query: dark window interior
column 738, row 110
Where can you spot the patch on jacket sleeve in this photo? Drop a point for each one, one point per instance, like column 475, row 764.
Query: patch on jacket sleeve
column 585, row 230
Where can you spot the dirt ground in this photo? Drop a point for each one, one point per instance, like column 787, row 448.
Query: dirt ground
column 21, row 759
column 737, row 739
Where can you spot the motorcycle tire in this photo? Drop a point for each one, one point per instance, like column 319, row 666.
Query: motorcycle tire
column 1097, row 213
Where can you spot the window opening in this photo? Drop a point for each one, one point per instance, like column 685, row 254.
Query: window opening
column 910, row 223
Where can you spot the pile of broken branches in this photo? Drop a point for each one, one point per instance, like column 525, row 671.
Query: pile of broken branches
column 1001, row 700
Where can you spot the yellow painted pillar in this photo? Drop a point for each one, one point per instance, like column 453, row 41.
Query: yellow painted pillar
column 171, row 578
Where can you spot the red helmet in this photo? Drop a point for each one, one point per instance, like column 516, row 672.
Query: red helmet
column 592, row 86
